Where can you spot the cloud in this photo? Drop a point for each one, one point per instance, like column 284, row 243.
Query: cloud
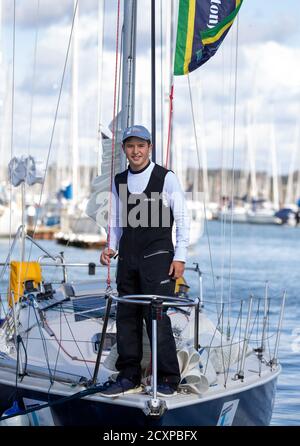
column 45, row 13
column 256, row 29
column 268, row 82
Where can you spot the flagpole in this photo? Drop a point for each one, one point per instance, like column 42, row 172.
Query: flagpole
column 153, row 86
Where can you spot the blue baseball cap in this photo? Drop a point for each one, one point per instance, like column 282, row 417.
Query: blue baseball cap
column 138, row 131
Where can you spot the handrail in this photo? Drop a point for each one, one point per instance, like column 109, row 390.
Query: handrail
column 157, row 302
column 62, row 263
column 167, row 301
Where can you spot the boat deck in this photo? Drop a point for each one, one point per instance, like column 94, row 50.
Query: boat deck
column 253, row 378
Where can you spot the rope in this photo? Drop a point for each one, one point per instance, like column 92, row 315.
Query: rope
column 78, row 348
column 108, row 280
column 171, row 96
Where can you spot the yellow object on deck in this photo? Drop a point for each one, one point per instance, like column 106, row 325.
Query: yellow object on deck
column 20, row 272
column 181, row 285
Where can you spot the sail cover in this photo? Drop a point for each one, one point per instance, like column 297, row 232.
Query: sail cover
column 99, row 202
column 202, row 26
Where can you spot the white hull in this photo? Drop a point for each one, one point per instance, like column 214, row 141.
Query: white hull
column 64, row 341
column 262, row 217
column 236, row 216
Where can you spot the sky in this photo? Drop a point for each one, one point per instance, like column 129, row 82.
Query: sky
column 266, row 88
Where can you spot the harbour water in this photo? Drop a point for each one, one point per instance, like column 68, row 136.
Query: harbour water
column 257, row 254
column 261, row 253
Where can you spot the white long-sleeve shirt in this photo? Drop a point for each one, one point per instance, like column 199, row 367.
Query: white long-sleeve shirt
column 172, row 193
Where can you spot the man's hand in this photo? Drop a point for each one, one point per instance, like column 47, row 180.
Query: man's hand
column 176, row 269
column 106, row 254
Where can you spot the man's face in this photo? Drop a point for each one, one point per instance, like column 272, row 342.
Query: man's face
column 137, row 151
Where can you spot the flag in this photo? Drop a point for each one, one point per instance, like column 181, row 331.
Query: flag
column 202, row 26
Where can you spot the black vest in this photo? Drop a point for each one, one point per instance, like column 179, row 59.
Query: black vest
column 146, row 220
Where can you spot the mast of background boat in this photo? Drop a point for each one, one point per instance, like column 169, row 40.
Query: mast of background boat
column 170, row 57
column 74, row 108
column 5, row 108
column 251, row 152
column 101, row 9
column 153, row 83
column 289, row 196
column 275, row 187
column 128, row 73
column 298, row 186
column 200, row 140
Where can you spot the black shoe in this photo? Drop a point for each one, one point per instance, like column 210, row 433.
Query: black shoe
column 119, row 387
column 166, row 389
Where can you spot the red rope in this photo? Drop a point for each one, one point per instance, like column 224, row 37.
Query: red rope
column 171, row 96
column 74, row 358
column 108, row 280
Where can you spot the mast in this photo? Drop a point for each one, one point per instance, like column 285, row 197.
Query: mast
column 289, row 197
column 202, row 139
column 170, row 38
column 274, row 169
column 128, row 72
column 0, row 35
column 74, row 110
column 251, row 153
column 153, row 83
column 101, row 9
column 2, row 108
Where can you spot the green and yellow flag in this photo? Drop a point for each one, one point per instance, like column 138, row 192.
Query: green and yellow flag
column 202, row 26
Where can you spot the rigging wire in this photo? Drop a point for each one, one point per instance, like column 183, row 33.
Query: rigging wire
column 238, row 363
column 171, row 97
column 108, row 281
column 50, row 145
column 161, row 85
column 204, row 199
column 12, row 297
column 44, row 342
column 223, row 193
column 55, row 120
column 33, row 75
column 74, row 339
column 130, row 64
column 100, row 45
column 99, row 138
column 224, row 175
column 57, row 355
column 62, row 400
column 233, row 176
column 12, row 127
column 99, row 134
column 27, row 331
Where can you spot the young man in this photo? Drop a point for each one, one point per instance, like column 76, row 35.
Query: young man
column 148, row 200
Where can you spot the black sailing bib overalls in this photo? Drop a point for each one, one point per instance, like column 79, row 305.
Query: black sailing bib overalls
column 145, row 254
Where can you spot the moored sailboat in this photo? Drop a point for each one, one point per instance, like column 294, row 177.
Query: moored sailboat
column 57, row 346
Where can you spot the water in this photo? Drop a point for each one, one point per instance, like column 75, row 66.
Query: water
column 258, row 254
column 262, row 253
